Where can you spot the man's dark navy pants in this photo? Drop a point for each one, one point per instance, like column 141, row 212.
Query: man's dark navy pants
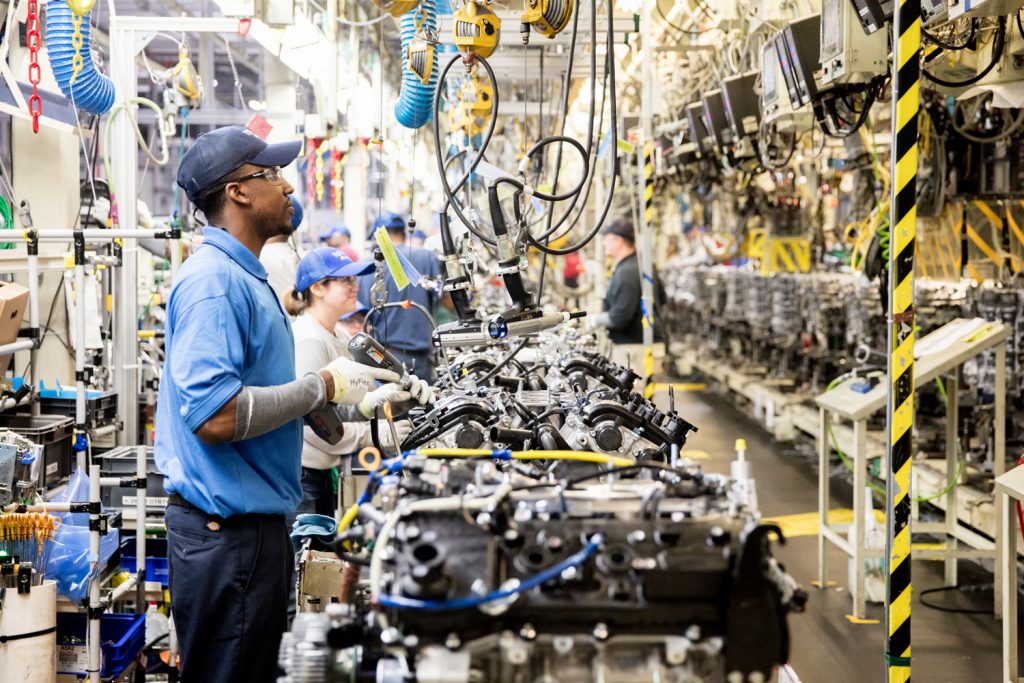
column 229, row 582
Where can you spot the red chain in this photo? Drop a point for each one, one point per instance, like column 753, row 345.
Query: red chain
column 35, row 103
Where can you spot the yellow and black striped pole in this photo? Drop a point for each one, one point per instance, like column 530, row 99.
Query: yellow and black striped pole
column 645, row 259
column 900, row 404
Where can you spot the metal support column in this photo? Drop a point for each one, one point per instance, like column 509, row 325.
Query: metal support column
column 94, row 651
column 81, row 429
column 124, row 157
column 900, row 396
column 999, row 462
column 33, row 313
column 129, row 35
column 645, row 174
column 952, row 467
column 207, row 71
column 861, row 509
column 824, row 494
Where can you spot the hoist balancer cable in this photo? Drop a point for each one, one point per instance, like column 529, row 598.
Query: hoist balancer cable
column 439, row 155
column 614, row 141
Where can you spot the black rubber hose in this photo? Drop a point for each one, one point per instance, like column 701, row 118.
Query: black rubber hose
column 460, row 297
column 614, row 137
column 448, row 191
column 593, row 168
column 551, row 229
column 997, row 54
column 954, row 48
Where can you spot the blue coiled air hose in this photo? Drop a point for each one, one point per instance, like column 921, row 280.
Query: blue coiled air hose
column 91, row 91
column 415, row 101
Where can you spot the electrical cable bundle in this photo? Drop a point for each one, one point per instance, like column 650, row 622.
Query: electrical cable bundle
column 998, row 46
column 840, row 117
column 581, row 190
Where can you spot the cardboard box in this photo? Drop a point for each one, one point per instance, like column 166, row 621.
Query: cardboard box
column 13, row 304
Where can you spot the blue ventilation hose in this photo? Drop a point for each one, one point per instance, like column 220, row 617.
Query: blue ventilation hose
column 415, row 101
column 91, row 91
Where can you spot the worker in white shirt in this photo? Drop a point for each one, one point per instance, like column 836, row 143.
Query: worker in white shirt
column 325, row 289
column 280, row 257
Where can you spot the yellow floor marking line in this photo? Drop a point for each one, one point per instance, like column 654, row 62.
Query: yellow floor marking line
column 694, row 386
column 861, row 622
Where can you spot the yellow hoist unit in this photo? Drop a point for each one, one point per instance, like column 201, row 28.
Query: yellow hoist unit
column 420, row 55
column 478, row 96
column 476, row 29
column 474, row 109
column 396, row 8
column 185, row 77
column 421, row 58
column 547, row 17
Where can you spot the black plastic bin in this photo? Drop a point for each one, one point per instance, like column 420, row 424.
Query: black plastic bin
column 55, row 433
column 99, row 410
column 120, row 462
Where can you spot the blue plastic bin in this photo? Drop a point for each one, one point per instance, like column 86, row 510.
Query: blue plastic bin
column 100, row 406
column 156, row 558
column 122, row 638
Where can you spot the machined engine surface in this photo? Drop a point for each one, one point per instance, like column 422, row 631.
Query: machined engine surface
column 543, row 524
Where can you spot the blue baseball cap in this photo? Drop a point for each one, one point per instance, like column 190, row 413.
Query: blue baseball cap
column 360, row 310
column 215, row 154
column 297, row 216
column 335, row 230
column 327, row 262
column 389, row 220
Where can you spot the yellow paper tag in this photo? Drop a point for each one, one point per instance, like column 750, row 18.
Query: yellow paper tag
column 625, row 146
column 391, row 258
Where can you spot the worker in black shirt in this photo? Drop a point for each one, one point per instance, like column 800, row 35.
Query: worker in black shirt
column 621, row 311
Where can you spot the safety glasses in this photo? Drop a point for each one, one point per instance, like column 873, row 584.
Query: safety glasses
column 272, row 174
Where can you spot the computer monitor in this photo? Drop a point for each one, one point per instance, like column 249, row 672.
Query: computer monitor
column 802, row 40
column 698, row 128
column 741, row 103
column 718, row 122
column 873, row 13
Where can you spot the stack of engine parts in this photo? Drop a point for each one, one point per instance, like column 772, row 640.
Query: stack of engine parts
column 543, row 523
column 795, row 322
column 1007, row 306
column 574, row 399
column 808, row 328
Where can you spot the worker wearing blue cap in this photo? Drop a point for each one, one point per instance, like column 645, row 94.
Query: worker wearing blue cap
column 229, row 427
column 325, row 290
column 340, row 237
column 352, row 322
column 405, row 331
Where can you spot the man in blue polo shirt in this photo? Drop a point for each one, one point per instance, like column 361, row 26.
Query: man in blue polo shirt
column 405, row 331
column 229, row 427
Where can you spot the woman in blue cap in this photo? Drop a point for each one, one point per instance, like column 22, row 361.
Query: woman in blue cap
column 325, row 290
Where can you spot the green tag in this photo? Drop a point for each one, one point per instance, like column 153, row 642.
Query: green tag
column 391, row 258
column 625, row 146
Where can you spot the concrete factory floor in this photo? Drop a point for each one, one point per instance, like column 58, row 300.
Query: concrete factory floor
column 826, row 647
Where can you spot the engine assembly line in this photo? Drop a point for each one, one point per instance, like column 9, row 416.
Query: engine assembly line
column 511, row 341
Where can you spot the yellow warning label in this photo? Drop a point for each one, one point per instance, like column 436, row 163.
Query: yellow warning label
column 391, row 258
